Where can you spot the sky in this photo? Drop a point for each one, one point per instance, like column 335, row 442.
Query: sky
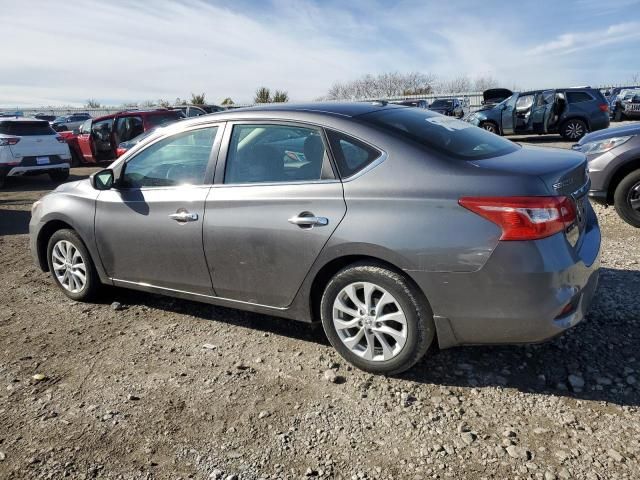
column 119, row 51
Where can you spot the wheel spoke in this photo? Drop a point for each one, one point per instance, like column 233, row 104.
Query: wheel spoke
column 368, row 353
column 387, row 351
column 351, row 342
column 80, row 277
column 393, row 317
column 368, row 288
column 386, row 299
column 340, row 305
column 635, row 203
column 398, row 336
column 341, row 324
column 352, row 294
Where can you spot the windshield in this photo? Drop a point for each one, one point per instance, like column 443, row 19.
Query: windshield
column 442, row 134
column 441, row 103
column 26, row 128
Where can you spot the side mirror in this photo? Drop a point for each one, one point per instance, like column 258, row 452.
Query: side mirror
column 102, row 180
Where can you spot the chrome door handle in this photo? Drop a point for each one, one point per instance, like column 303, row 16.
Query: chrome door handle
column 309, row 221
column 184, row 216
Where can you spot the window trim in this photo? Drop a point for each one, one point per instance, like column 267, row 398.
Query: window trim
column 370, row 166
column 223, row 156
column 211, row 163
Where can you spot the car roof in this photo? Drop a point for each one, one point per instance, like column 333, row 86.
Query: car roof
column 133, row 113
column 21, row 119
column 344, row 109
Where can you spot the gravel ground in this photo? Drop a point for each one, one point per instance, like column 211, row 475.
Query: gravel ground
column 153, row 387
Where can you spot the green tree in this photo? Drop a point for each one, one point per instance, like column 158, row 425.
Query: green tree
column 280, row 96
column 163, row 103
column 263, row 95
column 92, row 103
column 227, row 101
column 198, row 99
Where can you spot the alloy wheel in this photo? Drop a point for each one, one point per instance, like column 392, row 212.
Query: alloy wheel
column 369, row 321
column 634, row 197
column 574, row 130
column 69, row 266
column 489, row 127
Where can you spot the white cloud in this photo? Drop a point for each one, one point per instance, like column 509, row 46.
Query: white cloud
column 66, row 52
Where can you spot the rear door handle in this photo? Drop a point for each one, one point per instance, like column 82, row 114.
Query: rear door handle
column 309, row 220
column 184, row 216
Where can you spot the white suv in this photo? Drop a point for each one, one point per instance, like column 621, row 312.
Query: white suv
column 29, row 147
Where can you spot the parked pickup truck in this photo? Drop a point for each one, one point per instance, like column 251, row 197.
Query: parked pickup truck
column 98, row 138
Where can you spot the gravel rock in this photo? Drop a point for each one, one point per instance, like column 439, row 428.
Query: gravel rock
column 515, row 451
column 614, row 455
column 576, row 382
column 116, row 306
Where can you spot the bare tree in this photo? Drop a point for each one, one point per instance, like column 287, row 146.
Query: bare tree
column 163, row 103
column 263, row 95
column 92, row 103
column 485, row 82
column 148, row 104
column 280, row 96
column 455, row 85
column 388, row 84
column 635, row 78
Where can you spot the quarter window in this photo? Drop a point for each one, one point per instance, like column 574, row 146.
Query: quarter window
column 128, row 128
column 578, row 97
column 274, row 153
column 181, row 159
column 351, row 155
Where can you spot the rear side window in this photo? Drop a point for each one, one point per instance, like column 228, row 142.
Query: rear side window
column 351, row 155
column 578, row 97
column 442, row 134
column 26, row 129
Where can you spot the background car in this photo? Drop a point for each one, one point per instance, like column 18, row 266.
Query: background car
column 452, row 107
column 98, row 138
column 493, row 96
column 342, row 213
column 571, row 112
column 413, row 103
column 29, row 146
column 190, row 110
column 69, row 122
column 614, row 167
column 45, row 116
column 625, row 105
column 212, row 108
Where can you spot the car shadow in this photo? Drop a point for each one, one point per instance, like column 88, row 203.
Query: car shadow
column 603, row 350
column 14, row 222
column 541, row 139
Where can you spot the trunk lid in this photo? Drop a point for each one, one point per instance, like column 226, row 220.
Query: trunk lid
column 564, row 172
column 38, row 145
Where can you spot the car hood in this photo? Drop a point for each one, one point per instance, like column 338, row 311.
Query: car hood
column 80, row 187
column 623, row 131
column 495, row 95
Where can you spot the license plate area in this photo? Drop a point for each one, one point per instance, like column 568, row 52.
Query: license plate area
column 575, row 231
column 42, row 160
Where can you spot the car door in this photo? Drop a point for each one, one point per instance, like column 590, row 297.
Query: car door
column 84, row 141
column 149, row 227
column 274, row 205
column 541, row 111
column 508, row 115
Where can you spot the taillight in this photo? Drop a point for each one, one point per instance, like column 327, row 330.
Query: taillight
column 9, row 141
column 524, row 218
column 604, row 107
column 61, row 139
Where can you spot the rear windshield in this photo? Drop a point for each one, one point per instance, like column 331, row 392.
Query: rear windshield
column 25, row 129
column 162, row 119
column 442, row 134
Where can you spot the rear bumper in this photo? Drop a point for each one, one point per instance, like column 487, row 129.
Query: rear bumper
column 598, row 196
column 22, row 170
column 519, row 295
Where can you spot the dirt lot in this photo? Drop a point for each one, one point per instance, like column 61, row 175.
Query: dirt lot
column 166, row 388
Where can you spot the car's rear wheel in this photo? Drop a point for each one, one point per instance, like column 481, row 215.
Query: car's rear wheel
column 573, row 129
column 376, row 319
column 626, row 198
column 76, row 159
column 490, row 127
column 71, row 266
column 59, row 175
column 617, row 116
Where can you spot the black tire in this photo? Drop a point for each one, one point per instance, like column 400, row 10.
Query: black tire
column 420, row 328
column 92, row 284
column 617, row 116
column 573, row 129
column 59, row 175
column 3, row 181
column 76, row 158
column 627, row 191
column 490, row 127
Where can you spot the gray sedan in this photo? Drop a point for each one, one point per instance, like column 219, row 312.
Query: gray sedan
column 391, row 225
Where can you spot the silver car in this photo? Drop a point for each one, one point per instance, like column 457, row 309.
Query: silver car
column 391, row 225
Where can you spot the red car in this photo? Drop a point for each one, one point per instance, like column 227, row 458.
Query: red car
column 98, row 138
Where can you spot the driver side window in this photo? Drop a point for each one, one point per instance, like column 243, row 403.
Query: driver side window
column 181, row 159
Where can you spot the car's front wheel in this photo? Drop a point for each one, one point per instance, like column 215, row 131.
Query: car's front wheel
column 71, row 266
column 626, row 198
column 490, row 127
column 573, row 129
column 376, row 319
